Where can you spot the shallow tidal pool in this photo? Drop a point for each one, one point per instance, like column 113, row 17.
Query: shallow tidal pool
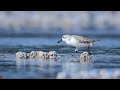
column 106, row 55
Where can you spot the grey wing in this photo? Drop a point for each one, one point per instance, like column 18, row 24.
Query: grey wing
column 82, row 39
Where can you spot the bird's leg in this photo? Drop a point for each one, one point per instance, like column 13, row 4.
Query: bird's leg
column 89, row 50
column 76, row 50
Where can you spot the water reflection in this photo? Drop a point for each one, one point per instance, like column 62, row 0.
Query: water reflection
column 70, row 65
column 103, row 57
column 73, row 67
column 50, row 67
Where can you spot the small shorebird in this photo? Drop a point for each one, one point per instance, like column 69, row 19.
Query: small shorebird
column 33, row 54
column 85, row 56
column 53, row 55
column 22, row 55
column 77, row 41
column 42, row 55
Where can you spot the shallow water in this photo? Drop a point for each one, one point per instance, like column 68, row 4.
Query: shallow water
column 106, row 55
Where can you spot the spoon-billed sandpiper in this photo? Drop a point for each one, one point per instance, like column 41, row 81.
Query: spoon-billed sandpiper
column 77, row 41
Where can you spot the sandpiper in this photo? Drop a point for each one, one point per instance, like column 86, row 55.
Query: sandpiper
column 78, row 41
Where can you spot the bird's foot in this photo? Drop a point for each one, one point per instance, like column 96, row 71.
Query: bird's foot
column 90, row 53
column 72, row 55
column 76, row 50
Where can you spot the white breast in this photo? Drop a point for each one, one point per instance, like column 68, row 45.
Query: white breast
column 75, row 43
column 72, row 42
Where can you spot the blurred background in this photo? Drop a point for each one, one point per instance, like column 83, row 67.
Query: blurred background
column 62, row 21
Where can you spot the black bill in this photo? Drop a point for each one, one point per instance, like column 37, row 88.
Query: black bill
column 59, row 41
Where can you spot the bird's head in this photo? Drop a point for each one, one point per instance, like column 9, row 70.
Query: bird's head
column 64, row 38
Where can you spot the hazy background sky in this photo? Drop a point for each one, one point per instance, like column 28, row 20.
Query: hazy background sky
column 62, row 21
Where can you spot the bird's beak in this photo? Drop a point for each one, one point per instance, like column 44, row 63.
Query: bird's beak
column 59, row 41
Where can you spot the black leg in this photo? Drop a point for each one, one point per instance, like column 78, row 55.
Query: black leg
column 89, row 50
column 76, row 50
column 90, row 53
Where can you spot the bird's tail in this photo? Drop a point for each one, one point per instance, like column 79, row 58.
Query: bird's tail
column 95, row 41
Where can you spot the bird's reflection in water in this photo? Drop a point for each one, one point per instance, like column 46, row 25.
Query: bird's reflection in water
column 42, row 64
column 86, row 61
column 70, row 67
column 21, row 65
column 31, row 65
column 84, row 64
column 50, row 66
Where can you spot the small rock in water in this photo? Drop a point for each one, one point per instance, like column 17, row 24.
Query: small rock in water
column 85, row 57
column 21, row 55
column 33, row 54
column 38, row 54
column 53, row 55
column 42, row 55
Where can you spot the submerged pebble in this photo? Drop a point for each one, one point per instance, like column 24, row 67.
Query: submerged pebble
column 53, row 55
column 21, row 55
column 38, row 54
column 85, row 57
column 42, row 55
column 33, row 54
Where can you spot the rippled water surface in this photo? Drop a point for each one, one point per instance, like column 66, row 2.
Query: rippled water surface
column 106, row 55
